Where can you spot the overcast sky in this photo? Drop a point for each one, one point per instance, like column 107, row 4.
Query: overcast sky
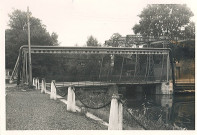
column 75, row 20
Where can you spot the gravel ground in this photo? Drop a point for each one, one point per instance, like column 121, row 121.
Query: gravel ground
column 30, row 110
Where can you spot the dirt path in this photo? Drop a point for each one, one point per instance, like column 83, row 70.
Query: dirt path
column 30, row 110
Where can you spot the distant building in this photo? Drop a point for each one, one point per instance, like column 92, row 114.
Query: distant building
column 185, row 70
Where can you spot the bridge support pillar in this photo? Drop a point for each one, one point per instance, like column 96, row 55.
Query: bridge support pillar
column 164, row 88
column 166, row 101
column 71, row 100
column 116, row 114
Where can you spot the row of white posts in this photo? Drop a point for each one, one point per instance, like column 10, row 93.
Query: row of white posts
column 116, row 110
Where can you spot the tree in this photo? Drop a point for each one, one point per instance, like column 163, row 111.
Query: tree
column 163, row 19
column 114, row 39
column 189, row 31
column 16, row 35
column 92, row 41
column 184, row 50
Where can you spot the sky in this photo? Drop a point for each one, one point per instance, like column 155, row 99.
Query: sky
column 75, row 20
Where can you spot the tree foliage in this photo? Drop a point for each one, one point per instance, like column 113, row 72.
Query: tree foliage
column 114, row 39
column 183, row 50
column 189, row 31
column 92, row 42
column 17, row 35
column 39, row 34
column 163, row 19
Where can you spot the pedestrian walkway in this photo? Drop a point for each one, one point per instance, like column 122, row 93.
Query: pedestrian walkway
column 31, row 110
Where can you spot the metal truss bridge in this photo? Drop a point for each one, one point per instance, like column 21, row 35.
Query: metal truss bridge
column 104, row 64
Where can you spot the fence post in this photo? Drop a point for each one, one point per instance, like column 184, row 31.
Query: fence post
column 120, row 107
column 38, row 82
column 43, row 89
column 116, row 114
column 45, row 86
column 33, row 81
column 51, row 94
column 71, row 100
column 53, row 90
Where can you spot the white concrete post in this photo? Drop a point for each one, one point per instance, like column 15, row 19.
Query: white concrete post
column 33, row 81
column 54, row 91
column 53, row 94
column 38, row 83
column 71, row 100
column 11, row 81
column 116, row 114
column 120, row 108
column 43, row 89
column 42, row 86
column 45, row 86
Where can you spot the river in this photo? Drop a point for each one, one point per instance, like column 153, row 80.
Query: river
column 177, row 110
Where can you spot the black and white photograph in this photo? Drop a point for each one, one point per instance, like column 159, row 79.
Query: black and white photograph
column 88, row 66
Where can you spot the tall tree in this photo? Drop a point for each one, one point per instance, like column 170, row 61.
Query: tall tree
column 92, row 41
column 16, row 35
column 163, row 19
column 114, row 39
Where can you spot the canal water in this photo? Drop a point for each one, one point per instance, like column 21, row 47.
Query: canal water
column 176, row 111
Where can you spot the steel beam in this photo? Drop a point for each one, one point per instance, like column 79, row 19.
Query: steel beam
column 94, row 50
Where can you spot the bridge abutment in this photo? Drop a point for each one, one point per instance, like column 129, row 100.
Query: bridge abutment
column 165, row 88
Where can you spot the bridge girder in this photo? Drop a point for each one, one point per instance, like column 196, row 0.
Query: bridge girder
column 94, row 50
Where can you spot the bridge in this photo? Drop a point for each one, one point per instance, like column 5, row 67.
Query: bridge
column 107, row 66
column 145, row 41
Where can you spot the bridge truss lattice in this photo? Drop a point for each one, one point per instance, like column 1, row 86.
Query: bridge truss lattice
column 104, row 64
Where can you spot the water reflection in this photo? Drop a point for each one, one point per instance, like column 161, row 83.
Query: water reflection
column 177, row 111
column 184, row 111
